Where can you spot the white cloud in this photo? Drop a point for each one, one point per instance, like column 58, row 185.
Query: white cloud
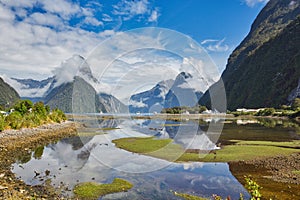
column 138, row 104
column 93, row 21
column 6, row 14
column 18, row 3
column 24, row 90
column 106, row 18
column 154, row 16
column 63, row 8
column 42, row 40
column 129, row 8
column 137, row 60
column 252, row 3
column 215, row 45
column 28, row 47
column 45, row 19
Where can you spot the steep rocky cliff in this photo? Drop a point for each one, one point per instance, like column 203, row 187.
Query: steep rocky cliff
column 265, row 68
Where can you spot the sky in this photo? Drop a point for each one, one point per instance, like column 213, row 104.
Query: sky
column 36, row 36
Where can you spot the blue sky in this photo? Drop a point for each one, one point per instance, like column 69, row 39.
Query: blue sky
column 37, row 35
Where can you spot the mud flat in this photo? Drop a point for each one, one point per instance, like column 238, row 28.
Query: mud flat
column 279, row 175
column 15, row 144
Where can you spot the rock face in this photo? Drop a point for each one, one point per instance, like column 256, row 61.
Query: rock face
column 265, row 68
column 181, row 93
column 8, row 96
column 152, row 100
column 75, row 97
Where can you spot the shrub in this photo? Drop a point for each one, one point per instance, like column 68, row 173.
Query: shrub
column 14, row 120
column 57, row 116
column 40, row 110
column 2, row 122
column 23, row 106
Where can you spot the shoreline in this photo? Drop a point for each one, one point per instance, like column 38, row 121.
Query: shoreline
column 278, row 175
column 16, row 144
column 19, row 143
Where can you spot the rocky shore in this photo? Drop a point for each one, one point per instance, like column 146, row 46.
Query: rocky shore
column 279, row 176
column 16, row 144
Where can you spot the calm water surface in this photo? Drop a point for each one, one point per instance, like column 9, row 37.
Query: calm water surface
column 95, row 158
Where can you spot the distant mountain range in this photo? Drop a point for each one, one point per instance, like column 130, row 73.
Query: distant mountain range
column 264, row 70
column 166, row 94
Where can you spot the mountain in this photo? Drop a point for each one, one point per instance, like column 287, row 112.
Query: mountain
column 8, row 95
column 72, row 88
column 77, row 96
column 182, row 93
column 112, row 104
column 151, row 100
column 264, row 69
column 166, row 94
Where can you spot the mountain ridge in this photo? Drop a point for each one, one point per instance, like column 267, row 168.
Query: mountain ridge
column 264, row 69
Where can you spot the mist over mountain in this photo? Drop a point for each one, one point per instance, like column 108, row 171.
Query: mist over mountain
column 264, row 70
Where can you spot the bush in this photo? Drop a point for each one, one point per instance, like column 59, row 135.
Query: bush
column 2, row 122
column 57, row 116
column 14, row 120
column 23, row 106
column 27, row 115
column 40, row 110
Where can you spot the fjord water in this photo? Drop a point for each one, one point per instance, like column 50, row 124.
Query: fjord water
column 93, row 157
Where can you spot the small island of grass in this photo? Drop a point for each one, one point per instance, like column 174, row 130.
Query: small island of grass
column 238, row 150
column 92, row 190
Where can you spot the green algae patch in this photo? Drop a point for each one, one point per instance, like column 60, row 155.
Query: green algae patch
column 92, row 190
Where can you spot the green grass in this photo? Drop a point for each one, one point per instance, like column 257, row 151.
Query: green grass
column 159, row 148
column 92, row 190
column 239, row 150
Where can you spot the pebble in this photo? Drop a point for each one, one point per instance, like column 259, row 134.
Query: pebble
column 3, row 187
